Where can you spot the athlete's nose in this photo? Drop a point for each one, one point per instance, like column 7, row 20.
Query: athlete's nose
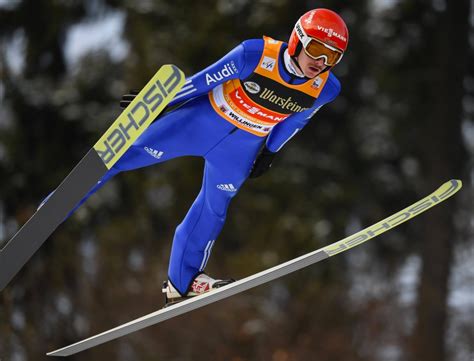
column 319, row 62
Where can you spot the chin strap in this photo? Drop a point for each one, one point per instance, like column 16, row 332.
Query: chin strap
column 327, row 69
column 294, row 57
column 295, row 61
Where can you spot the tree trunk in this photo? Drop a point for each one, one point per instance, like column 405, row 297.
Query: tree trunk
column 442, row 154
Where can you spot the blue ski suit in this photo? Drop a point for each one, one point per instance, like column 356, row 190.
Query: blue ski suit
column 226, row 113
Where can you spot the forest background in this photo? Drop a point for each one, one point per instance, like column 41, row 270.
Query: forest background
column 402, row 126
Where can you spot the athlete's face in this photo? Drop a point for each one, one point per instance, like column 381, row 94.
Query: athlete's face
column 311, row 67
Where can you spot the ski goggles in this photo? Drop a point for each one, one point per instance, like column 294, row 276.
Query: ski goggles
column 316, row 49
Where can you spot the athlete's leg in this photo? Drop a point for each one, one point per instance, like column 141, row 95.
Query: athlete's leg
column 173, row 135
column 227, row 167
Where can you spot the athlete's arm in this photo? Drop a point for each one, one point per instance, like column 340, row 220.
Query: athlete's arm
column 287, row 129
column 233, row 65
column 239, row 62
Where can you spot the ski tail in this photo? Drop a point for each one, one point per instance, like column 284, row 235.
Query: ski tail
column 130, row 124
column 441, row 194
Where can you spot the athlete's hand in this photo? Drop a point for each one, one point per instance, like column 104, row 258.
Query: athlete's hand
column 128, row 98
column 262, row 163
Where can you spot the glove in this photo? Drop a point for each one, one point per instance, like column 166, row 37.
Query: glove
column 128, row 98
column 262, row 163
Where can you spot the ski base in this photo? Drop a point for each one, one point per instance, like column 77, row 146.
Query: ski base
column 123, row 132
column 442, row 193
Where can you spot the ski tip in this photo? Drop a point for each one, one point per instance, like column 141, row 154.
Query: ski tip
column 448, row 189
column 453, row 185
column 457, row 181
column 171, row 66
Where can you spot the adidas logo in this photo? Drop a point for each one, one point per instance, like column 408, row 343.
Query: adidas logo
column 227, row 187
column 154, row 153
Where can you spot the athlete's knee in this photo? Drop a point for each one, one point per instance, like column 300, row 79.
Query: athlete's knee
column 218, row 200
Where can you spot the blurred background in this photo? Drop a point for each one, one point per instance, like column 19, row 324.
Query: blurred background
column 402, row 126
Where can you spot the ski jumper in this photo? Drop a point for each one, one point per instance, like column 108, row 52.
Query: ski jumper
column 226, row 113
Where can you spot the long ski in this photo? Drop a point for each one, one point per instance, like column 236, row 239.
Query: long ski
column 130, row 124
column 442, row 193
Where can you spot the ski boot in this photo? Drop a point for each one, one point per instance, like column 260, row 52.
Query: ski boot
column 201, row 284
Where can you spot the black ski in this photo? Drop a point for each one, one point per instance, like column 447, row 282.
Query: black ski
column 447, row 190
column 130, row 124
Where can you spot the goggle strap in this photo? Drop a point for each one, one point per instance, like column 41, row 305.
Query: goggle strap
column 304, row 38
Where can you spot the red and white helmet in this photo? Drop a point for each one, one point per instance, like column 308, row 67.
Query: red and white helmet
column 320, row 26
